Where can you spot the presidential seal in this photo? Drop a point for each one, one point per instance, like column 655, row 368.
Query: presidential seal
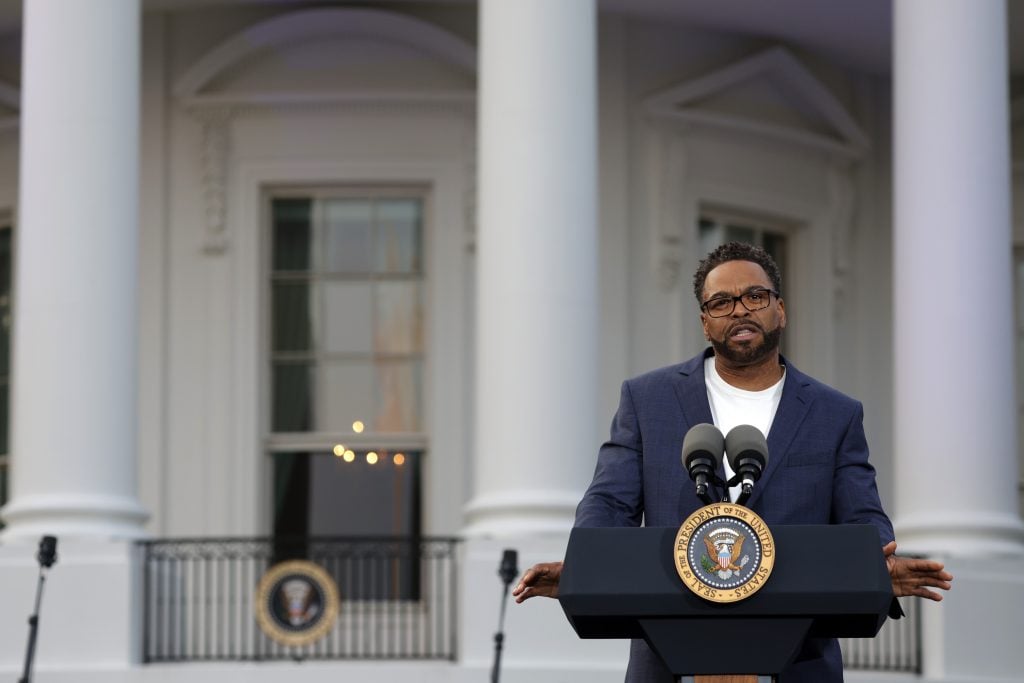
column 724, row 552
column 296, row 603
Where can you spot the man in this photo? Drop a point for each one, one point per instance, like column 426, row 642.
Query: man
column 817, row 472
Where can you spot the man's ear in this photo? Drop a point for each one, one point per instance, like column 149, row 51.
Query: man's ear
column 704, row 326
column 782, row 313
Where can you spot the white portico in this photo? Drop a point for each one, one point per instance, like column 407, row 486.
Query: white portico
column 569, row 162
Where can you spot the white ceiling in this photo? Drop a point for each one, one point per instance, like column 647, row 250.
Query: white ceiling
column 857, row 33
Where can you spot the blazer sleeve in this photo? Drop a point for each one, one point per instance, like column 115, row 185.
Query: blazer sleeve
column 854, row 492
column 615, row 496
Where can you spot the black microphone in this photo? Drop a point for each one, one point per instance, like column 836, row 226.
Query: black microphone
column 702, row 452
column 747, row 450
column 47, row 551
column 508, row 569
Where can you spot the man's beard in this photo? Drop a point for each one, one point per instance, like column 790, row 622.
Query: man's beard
column 748, row 354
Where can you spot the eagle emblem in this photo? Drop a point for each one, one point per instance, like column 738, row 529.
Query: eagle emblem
column 725, row 550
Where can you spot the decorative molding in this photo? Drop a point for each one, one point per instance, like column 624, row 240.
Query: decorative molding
column 680, row 101
column 411, row 103
column 303, row 26
column 471, row 196
column 839, row 220
column 216, row 124
column 668, row 170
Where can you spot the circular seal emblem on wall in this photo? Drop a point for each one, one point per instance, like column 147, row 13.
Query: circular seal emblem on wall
column 296, row 602
column 724, row 552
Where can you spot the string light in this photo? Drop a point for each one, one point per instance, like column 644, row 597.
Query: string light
column 349, row 455
column 371, row 458
column 339, row 450
column 399, row 459
column 358, row 427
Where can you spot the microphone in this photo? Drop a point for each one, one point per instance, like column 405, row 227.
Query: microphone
column 47, row 551
column 508, row 570
column 747, row 450
column 702, row 452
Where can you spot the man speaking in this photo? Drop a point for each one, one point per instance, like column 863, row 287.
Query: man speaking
column 818, row 472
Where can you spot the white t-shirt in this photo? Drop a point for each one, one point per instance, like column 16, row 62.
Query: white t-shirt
column 731, row 406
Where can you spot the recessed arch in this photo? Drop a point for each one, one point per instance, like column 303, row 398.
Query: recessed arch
column 297, row 27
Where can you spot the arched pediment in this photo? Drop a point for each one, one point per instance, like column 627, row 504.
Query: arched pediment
column 332, row 50
column 771, row 93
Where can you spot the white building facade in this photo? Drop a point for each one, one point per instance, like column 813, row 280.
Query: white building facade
column 284, row 270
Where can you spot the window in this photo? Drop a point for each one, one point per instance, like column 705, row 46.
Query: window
column 718, row 227
column 346, row 344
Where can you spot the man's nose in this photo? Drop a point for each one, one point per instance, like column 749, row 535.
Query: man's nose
column 739, row 310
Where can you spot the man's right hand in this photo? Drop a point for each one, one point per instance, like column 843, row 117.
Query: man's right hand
column 540, row 579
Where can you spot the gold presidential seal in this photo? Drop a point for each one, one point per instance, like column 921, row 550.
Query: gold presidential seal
column 724, row 552
column 296, row 602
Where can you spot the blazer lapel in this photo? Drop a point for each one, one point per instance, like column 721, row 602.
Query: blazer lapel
column 796, row 401
column 692, row 393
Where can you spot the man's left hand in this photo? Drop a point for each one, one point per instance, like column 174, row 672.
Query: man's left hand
column 912, row 576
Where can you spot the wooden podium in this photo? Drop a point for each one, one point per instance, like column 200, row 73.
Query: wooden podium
column 828, row 581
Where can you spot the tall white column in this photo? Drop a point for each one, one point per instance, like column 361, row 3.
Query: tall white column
column 536, row 267
column 73, row 411
column 956, row 446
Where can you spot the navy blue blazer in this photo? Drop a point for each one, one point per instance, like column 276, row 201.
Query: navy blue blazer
column 817, row 473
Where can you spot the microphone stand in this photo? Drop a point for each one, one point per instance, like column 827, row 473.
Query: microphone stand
column 47, row 556
column 507, row 571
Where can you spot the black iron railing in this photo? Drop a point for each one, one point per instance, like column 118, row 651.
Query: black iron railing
column 897, row 647
column 397, row 598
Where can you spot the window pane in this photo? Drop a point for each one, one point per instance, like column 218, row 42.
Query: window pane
column 359, row 497
column 346, row 395
column 398, row 406
column 399, row 319
column 292, row 391
column 348, row 240
column 775, row 245
column 348, row 312
column 398, row 236
column 292, row 233
column 292, row 316
column 739, row 233
column 319, row 494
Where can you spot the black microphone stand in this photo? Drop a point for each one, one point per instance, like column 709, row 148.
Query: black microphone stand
column 507, row 571
column 47, row 556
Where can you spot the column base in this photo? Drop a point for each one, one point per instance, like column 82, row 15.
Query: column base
column 540, row 644
column 512, row 513
column 73, row 515
column 89, row 615
column 971, row 534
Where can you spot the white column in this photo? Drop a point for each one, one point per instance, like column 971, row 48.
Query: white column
column 955, row 428
column 74, row 353
column 536, row 268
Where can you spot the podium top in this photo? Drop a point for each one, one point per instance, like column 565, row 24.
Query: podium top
column 832, row 575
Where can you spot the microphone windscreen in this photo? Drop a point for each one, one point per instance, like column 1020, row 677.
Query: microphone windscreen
column 746, row 442
column 508, row 569
column 703, row 441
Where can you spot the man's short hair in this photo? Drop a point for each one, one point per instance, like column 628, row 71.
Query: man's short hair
column 735, row 251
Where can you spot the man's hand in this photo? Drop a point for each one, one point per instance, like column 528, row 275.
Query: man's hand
column 540, row 579
column 914, row 577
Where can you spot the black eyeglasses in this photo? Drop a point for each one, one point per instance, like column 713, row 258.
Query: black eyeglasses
column 754, row 300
